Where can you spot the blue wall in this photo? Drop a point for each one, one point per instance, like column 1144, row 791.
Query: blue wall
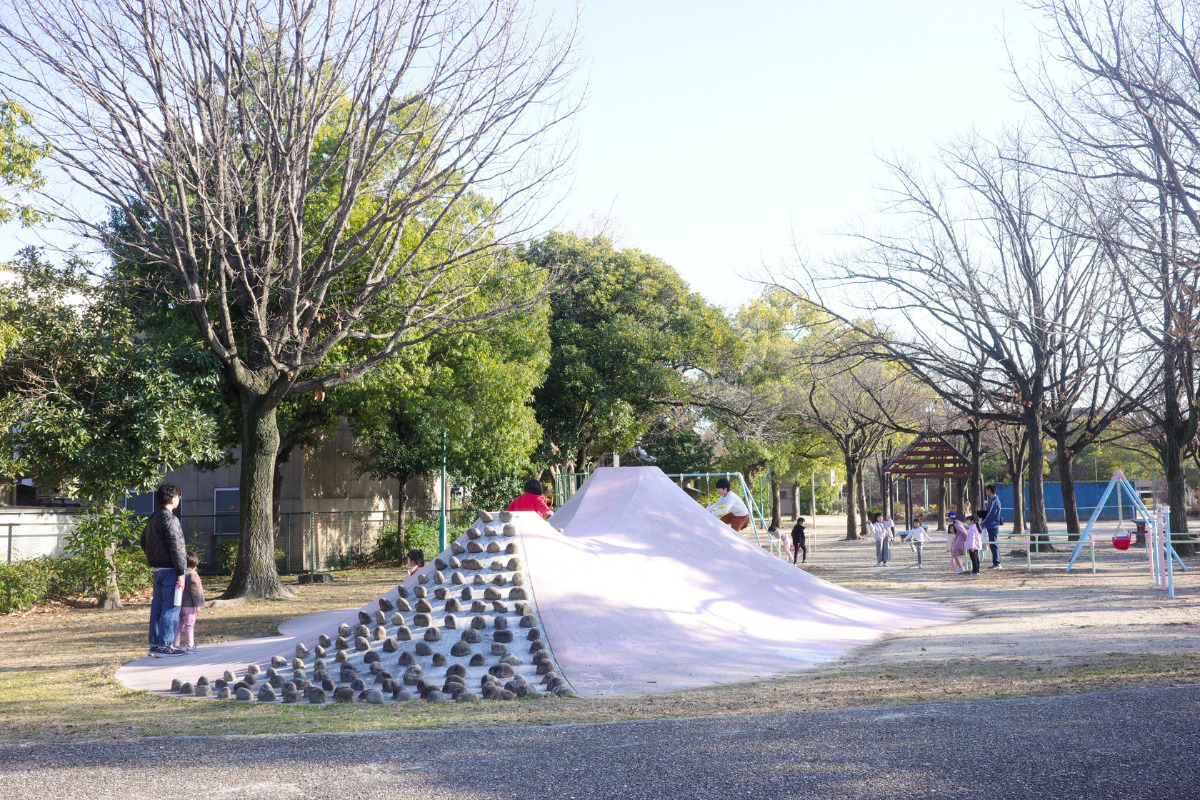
column 1087, row 495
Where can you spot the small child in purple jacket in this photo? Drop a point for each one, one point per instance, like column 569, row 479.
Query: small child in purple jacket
column 193, row 599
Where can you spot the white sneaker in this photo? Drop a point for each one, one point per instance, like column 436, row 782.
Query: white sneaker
column 879, row 563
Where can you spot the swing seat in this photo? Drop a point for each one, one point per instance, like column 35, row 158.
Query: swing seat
column 1121, row 542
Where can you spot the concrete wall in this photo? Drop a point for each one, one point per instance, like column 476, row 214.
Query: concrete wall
column 29, row 533
column 321, row 479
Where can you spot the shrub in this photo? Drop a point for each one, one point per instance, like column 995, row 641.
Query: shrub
column 227, row 552
column 98, row 530
column 422, row 534
column 24, row 583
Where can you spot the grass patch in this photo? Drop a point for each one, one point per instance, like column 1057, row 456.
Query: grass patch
column 56, row 679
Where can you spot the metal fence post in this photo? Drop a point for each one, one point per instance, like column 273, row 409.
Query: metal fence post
column 10, row 538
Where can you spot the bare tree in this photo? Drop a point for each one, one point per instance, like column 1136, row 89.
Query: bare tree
column 1119, row 88
column 313, row 176
column 856, row 400
column 985, row 287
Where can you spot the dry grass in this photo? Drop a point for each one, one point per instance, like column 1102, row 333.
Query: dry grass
column 1032, row 635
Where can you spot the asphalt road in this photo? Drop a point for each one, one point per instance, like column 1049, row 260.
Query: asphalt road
column 1112, row 745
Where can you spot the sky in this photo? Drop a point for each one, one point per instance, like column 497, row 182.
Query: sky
column 725, row 142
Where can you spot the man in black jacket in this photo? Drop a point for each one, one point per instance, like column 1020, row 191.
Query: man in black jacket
column 162, row 541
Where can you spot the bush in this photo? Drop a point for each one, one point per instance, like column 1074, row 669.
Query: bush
column 227, row 552
column 99, row 529
column 419, row 533
column 24, row 583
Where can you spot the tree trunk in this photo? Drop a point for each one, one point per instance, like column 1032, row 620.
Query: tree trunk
column 863, row 520
column 795, row 501
column 851, row 494
column 1038, row 528
column 941, row 504
column 110, row 597
column 1176, row 490
column 255, row 575
column 1019, row 501
column 401, row 522
column 975, row 453
column 1066, row 481
column 776, row 517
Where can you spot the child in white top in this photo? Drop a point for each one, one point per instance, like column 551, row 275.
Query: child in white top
column 916, row 539
column 883, row 541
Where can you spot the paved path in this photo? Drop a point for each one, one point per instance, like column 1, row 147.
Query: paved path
column 1113, row 745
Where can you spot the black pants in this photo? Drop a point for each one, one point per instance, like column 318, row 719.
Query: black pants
column 974, row 554
column 798, row 547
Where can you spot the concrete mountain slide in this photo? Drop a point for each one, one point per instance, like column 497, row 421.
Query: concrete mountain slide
column 643, row 591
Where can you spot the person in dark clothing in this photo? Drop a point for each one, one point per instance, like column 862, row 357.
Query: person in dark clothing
column 798, row 545
column 162, row 542
column 992, row 520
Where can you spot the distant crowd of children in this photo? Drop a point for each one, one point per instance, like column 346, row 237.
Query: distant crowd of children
column 964, row 542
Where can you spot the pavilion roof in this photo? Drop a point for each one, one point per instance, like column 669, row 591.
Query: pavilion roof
column 930, row 456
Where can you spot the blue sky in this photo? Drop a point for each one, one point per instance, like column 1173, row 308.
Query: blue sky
column 714, row 136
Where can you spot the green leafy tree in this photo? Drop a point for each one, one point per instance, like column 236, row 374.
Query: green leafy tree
column 625, row 334
column 308, row 176
column 19, row 156
column 468, row 396
column 92, row 405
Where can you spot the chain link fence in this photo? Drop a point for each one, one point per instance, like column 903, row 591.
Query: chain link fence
column 304, row 541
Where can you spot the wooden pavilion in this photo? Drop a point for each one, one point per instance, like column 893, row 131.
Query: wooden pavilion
column 928, row 456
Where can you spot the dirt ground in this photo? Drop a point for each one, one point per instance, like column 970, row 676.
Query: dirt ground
column 1043, row 614
column 1030, row 633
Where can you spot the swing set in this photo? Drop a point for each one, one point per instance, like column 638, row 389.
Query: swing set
column 1160, row 551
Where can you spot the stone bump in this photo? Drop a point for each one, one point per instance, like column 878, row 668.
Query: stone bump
column 506, row 516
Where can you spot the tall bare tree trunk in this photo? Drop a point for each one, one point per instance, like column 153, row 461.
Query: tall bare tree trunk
column 1066, row 483
column 776, row 519
column 255, row 575
column 795, row 502
column 851, row 499
column 864, row 515
column 1038, row 528
column 942, row 492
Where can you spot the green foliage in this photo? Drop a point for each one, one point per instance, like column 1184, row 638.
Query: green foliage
column 36, row 580
column 418, row 533
column 494, row 492
column 24, row 583
column 679, row 448
column 625, row 332
column 471, row 391
column 88, row 400
column 18, row 163
column 99, row 531
column 227, row 552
